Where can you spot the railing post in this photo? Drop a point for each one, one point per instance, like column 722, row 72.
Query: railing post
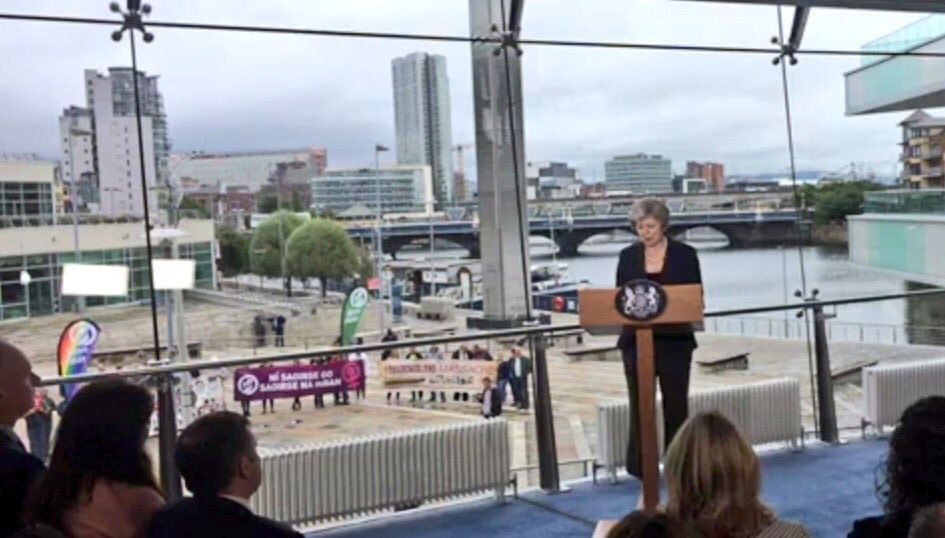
column 826, row 409
column 544, row 419
column 167, row 437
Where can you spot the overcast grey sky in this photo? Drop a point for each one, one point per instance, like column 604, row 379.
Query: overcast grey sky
column 238, row 91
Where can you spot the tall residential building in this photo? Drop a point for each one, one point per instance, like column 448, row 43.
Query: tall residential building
column 249, row 169
column 358, row 193
column 640, row 173
column 923, row 137
column 712, row 173
column 113, row 163
column 422, row 118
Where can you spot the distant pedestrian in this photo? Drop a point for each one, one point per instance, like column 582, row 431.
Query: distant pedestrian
column 462, row 354
column 269, row 401
column 520, row 369
column 259, row 331
column 490, row 399
column 363, row 358
column 504, row 377
column 39, row 423
column 278, row 328
column 389, row 336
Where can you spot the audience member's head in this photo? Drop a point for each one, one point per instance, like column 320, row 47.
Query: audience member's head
column 929, row 522
column 16, row 384
column 713, row 479
column 101, row 437
column 486, row 383
column 216, row 455
column 639, row 525
column 915, row 467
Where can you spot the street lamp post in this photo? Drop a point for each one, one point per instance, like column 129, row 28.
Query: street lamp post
column 25, row 280
column 432, row 264
column 380, row 241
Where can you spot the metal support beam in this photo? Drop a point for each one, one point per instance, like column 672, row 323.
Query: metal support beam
column 500, row 160
column 798, row 26
column 931, row 6
column 548, row 477
column 826, row 410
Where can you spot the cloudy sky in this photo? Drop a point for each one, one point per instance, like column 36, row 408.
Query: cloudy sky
column 239, row 91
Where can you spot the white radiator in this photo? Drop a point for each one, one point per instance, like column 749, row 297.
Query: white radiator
column 303, row 485
column 889, row 389
column 764, row 412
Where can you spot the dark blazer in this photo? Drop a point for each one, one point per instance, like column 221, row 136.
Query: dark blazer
column 881, row 527
column 680, row 267
column 19, row 472
column 213, row 516
column 495, row 405
column 526, row 367
column 504, row 371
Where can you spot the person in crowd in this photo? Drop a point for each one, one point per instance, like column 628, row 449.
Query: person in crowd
column 463, row 353
column 216, row 456
column 914, row 476
column 340, row 396
column 389, row 336
column 363, row 357
column 658, row 258
column 259, row 330
column 503, row 376
column 480, row 353
column 639, row 525
column 436, row 355
column 278, row 329
column 39, row 423
column 929, row 522
column 490, row 398
column 520, row 367
column 268, row 402
column 19, row 470
column 713, row 481
column 244, row 406
column 100, row 480
column 414, row 355
column 319, row 397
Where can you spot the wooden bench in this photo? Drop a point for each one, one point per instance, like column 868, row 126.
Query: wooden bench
column 575, row 335
column 734, row 362
column 599, row 352
column 194, row 351
column 851, row 374
column 435, row 331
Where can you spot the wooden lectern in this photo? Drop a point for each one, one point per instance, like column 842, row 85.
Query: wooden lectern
column 648, row 305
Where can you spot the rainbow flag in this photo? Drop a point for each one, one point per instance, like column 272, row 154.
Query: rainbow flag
column 76, row 345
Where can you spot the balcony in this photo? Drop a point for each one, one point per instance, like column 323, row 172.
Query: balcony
column 930, row 154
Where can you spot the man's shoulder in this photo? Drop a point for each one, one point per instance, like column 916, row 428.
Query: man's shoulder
column 13, row 460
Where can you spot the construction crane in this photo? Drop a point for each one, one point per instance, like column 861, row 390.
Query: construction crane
column 459, row 174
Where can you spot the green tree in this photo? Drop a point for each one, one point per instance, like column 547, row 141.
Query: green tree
column 234, row 252
column 322, row 249
column 267, row 204
column 265, row 249
column 189, row 204
column 835, row 201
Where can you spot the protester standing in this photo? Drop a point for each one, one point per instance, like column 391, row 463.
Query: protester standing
column 39, row 423
column 520, row 367
column 490, row 398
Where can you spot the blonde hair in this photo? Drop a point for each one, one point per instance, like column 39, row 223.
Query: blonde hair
column 713, row 479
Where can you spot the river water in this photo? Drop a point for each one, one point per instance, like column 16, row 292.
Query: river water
column 736, row 278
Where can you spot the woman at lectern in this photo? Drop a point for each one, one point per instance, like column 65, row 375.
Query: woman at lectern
column 658, row 258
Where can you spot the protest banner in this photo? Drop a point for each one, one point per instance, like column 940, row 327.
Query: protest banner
column 296, row 381
column 440, row 374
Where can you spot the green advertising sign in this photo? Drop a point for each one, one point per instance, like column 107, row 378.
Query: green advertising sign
column 352, row 312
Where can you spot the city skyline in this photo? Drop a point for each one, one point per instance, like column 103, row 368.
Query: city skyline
column 581, row 106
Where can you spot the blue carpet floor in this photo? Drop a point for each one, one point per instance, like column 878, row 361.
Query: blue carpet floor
column 824, row 488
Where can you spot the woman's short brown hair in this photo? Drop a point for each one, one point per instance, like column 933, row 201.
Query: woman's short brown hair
column 650, row 208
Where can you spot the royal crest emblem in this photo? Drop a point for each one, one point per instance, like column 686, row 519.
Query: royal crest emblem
column 641, row 300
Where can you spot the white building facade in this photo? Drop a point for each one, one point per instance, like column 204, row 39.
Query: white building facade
column 398, row 189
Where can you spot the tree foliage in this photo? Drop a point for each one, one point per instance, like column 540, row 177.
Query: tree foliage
column 189, row 204
column 234, row 252
column 265, row 248
column 833, row 202
column 321, row 249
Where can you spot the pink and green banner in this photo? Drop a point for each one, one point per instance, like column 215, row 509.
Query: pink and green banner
column 76, row 346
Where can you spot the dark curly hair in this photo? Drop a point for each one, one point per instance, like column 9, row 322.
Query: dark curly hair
column 915, row 467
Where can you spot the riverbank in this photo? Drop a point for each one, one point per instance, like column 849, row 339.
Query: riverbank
column 830, row 235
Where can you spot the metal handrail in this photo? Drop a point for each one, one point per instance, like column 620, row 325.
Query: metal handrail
column 190, row 366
